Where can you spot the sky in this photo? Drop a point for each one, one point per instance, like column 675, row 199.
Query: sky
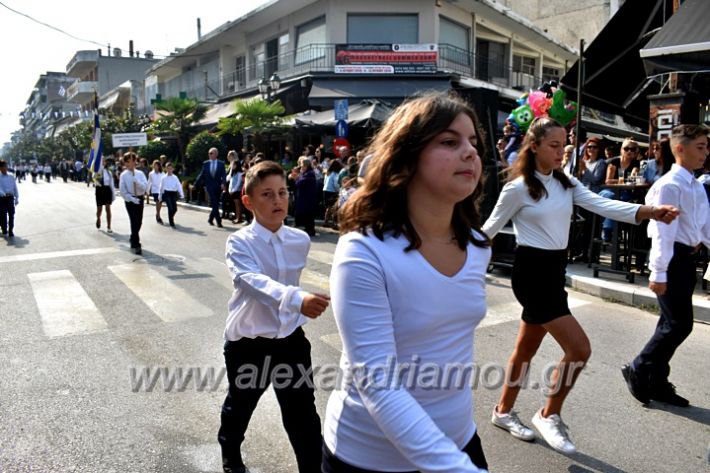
column 30, row 49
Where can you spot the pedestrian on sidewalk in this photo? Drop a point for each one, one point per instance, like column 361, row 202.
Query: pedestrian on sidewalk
column 410, row 245
column 306, row 199
column 105, row 195
column 236, row 185
column 214, row 177
column 539, row 199
column 169, row 189
column 263, row 333
column 154, row 178
column 132, row 185
column 672, row 262
column 9, row 198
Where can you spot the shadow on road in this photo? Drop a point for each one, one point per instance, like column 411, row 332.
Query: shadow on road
column 17, row 242
column 701, row 415
column 592, row 464
column 189, row 230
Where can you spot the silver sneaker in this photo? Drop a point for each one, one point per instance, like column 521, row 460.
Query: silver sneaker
column 554, row 431
column 510, row 422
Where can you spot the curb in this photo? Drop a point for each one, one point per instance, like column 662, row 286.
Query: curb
column 636, row 296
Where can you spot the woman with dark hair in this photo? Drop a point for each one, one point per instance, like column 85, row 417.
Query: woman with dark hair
column 659, row 162
column 411, row 245
column 539, row 199
column 306, row 200
column 592, row 168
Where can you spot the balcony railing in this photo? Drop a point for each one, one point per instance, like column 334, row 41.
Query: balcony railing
column 81, row 91
column 321, row 58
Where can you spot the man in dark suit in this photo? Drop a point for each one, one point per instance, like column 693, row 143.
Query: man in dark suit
column 214, row 178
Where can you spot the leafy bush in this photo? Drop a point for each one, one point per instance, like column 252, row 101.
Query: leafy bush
column 154, row 149
column 200, row 145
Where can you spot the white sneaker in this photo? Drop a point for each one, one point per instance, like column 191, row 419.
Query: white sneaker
column 554, row 431
column 510, row 422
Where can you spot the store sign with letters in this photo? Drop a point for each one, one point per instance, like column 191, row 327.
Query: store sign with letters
column 385, row 58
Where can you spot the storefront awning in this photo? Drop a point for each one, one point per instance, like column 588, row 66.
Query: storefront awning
column 615, row 79
column 394, row 89
column 683, row 44
column 217, row 111
column 366, row 114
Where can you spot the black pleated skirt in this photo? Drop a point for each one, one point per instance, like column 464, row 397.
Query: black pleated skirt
column 538, row 282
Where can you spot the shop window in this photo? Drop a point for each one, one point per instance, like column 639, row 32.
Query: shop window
column 383, row 29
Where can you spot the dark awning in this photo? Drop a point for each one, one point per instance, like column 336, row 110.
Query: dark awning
column 683, row 44
column 366, row 114
column 392, row 89
column 615, row 79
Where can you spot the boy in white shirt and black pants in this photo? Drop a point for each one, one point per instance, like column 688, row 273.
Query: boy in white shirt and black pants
column 265, row 343
column 132, row 184
column 672, row 264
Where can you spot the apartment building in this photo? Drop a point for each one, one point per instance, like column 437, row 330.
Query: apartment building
column 324, row 50
column 47, row 104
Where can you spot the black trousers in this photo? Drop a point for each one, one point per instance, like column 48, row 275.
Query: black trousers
column 170, row 199
column 307, row 221
column 7, row 213
column 254, row 364
column 676, row 320
column 135, row 215
column 215, row 195
column 332, row 464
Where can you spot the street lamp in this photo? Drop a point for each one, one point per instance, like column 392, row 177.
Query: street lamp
column 268, row 89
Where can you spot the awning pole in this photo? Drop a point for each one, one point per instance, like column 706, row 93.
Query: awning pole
column 578, row 125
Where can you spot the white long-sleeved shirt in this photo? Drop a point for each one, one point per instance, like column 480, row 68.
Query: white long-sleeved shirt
column 235, row 182
column 265, row 268
column 545, row 223
column 170, row 183
column 132, row 185
column 9, row 187
column 680, row 189
column 393, row 307
column 154, row 179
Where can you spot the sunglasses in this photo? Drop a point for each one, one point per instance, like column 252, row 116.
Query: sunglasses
column 628, row 148
column 592, row 147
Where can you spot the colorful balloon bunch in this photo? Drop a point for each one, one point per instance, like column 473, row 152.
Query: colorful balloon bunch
column 547, row 101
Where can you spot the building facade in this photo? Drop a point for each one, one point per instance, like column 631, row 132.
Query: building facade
column 47, row 104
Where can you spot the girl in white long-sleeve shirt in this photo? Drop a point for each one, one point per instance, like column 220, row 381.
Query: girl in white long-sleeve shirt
column 154, row 178
column 539, row 199
column 408, row 290
column 170, row 188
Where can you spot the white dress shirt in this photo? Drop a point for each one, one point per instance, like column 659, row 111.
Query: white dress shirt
column 9, row 187
column 154, row 179
column 265, row 268
column 132, row 185
column 170, row 183
column 544, row 224
column 393, row 306
column 679, row 188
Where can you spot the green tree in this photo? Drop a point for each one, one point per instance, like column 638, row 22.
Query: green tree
column 200, row 144
column 254, row 116
column 178, row 119
column 154, row 149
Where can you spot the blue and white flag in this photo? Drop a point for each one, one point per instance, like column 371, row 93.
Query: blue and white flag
column 97, row 147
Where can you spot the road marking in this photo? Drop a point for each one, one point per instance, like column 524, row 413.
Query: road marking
column 64, row 306
column 58, row 254
column 315, row 279
column 333, row 339
column 168, row 300
column 321, row 256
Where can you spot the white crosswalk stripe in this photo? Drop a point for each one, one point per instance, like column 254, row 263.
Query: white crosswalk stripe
column 64, row 307
column 165, row 298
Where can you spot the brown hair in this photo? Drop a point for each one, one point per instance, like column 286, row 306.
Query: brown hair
column 160, row 166
column 130, row 156
column 259, row 172
column 525, row 164
column 380, row 205
column 684, row 134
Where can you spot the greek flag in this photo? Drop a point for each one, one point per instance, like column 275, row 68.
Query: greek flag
column 97, row 147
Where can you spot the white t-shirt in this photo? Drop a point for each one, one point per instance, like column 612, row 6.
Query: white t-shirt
column 391, row 308
column 154, row 178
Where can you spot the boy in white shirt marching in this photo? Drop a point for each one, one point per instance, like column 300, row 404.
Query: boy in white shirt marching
column 672, row 263
column 263, row 337
column 169, row 190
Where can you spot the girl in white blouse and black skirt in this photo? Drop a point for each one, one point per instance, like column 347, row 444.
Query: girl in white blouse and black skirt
column 538, row 199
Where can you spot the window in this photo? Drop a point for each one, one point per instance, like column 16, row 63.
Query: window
column 550, row 73
column 454, row 40
column 524, row 64
column 308, row 37
column 383, row 29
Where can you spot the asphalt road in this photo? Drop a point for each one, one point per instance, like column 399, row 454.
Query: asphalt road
column 82, row 319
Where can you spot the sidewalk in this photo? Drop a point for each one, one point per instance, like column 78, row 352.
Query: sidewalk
column 611, row 287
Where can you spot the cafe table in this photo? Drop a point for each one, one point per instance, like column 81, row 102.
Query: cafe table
column 639, row 191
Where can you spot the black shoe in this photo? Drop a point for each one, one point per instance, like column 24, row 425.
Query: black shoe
column 666, row 393
column 219, row 225
column 137, row 251
column 238, row 466
column 210, row 222
column 158, row 219
column 172, row 224
column 636, row 387
column 11, row 234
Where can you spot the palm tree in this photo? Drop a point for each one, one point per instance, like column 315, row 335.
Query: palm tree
column 255, row 115
column 178, row 117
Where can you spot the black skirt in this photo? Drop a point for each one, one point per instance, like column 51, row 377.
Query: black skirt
column 103, row 195
column 538, row 282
